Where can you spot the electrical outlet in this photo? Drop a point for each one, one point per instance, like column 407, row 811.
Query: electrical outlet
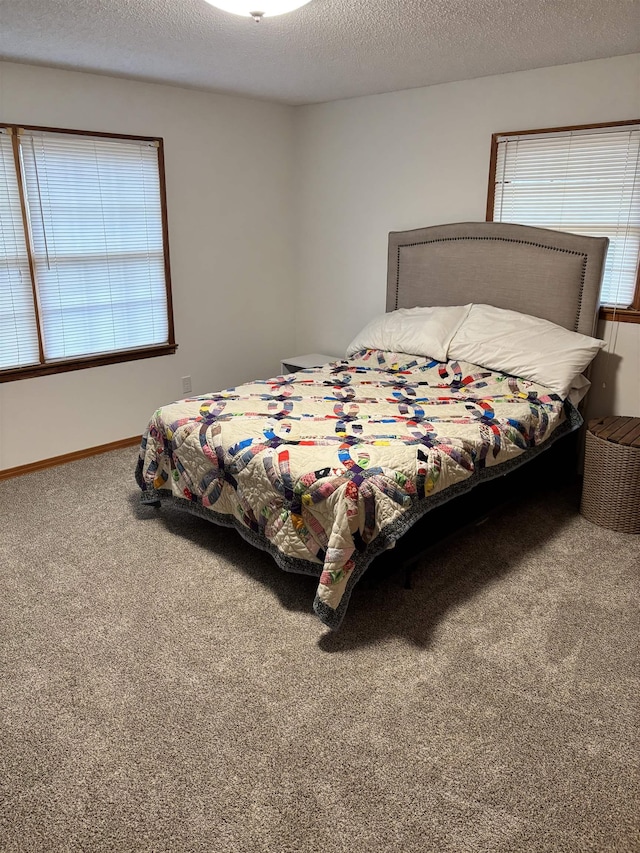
column 186, row 384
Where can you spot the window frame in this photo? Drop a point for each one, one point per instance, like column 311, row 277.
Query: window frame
column 45, row 368
column 621, row 315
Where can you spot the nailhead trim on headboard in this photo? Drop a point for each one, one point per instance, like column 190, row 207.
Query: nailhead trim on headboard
column 502, row 240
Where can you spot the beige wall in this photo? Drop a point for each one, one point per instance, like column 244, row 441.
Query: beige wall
column 367, row 166
column 229, row 192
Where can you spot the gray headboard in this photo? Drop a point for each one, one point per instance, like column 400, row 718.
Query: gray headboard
column 549, row 274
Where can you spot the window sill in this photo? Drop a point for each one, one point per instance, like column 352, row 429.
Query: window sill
column 620, row 315
column 82, row 363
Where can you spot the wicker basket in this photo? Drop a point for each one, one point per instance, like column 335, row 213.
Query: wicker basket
column 611, row 489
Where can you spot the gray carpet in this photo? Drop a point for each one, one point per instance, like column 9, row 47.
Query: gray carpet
column 165, row 687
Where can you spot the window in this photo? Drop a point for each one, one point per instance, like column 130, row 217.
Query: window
column 84, row 262
column 580, row 179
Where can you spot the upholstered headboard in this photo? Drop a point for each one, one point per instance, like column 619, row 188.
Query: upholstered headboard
column 549, row 274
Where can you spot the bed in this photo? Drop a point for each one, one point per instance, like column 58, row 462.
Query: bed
column 327, row 468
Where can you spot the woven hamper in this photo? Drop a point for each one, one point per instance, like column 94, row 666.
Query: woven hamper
column 611, row 489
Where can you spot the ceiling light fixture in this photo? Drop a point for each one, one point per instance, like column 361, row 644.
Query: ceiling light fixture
column 258, row 9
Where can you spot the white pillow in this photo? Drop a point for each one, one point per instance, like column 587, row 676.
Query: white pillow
column 524, row 346
column 579, row 389
column 418, row 331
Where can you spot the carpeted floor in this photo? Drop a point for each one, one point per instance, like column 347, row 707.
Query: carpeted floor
column 165, row 687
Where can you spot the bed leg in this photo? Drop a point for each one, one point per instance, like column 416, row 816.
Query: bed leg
column 408, row 567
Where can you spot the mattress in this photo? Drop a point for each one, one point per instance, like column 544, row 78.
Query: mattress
column 328, row 467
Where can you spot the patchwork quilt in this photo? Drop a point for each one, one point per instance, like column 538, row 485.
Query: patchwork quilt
column 327, row 467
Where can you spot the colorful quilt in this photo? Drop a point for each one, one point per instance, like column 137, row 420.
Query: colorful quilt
column 326, row 468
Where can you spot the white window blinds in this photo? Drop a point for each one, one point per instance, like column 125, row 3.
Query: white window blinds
column 583, row 181
column 96, row 229
column 18, row 329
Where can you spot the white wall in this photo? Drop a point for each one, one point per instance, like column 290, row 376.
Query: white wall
column 229, row 194
column 367, row 166
column 247, row 230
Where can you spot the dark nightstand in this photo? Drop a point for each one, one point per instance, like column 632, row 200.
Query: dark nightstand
column 300, row 362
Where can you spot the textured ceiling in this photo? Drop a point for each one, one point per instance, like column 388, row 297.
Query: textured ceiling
column 327, row 50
